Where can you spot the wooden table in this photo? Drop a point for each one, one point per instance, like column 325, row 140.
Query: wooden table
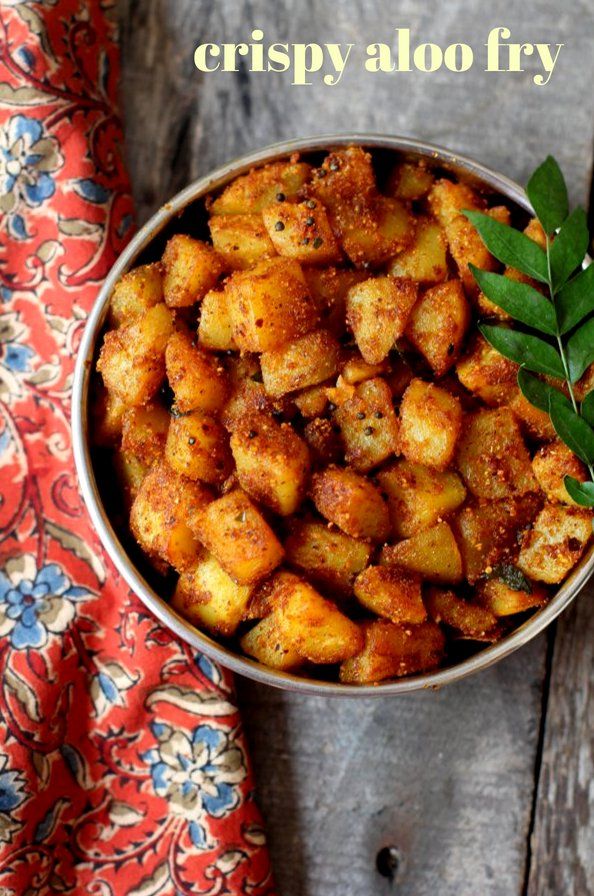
column 483, row 789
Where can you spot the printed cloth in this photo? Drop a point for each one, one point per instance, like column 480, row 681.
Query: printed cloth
column 123, row 767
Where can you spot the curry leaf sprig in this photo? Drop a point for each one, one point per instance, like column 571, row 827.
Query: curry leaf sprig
column 554, row 332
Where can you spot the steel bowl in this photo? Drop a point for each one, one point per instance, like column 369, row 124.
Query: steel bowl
column 136, row 252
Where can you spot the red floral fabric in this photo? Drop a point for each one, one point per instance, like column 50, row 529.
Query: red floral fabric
column 123, row 768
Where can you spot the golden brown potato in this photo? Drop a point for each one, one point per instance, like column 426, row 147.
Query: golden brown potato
column 300, row 363
column 501, row 600
column 272, row 462
column 262, row 187
column 130, row 473
column 198, row 380
column 328, row 288
column 356, row 370
column 393, row 651
column 270, row 305
column 430, row 423
column 215, row 330
column 418, row 497
column 351, row 502
column 132, row 358
column 487, row 374
column 368, row 425
column 135, row 293
column 198, row 446
column 492, row 456
column 302, row 231
column 263, row 643
column 432, row 553
column 329, row 558
column 425, row 261
column 240, row 240
column 190, row 269
column 447, row 607
column 536, row 423
column 208, row 597
column 438, row 324
column 107, row 416
column 236, row 533
column 391, row 592
column 144, row 432
column 323, row 438
column 555, row 543
column 312, row 401
column 550, row 467
column 410, row 181
column 377, row 312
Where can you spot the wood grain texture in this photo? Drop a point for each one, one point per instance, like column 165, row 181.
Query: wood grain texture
column 448, row 777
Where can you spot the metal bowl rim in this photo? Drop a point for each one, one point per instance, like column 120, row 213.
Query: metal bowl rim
column 88, row 484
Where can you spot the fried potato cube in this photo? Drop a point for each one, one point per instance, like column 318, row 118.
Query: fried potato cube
column 418, row 497
column 430, row 423
column 368, row 425
column 432, row 553
column 263, row 643
column 447, row 607
column 438, row 324
column 312, row 401
column 107, row 416
column 499, row 599
column 302, row 231
column 240, row 240
column 270, row 305
column 132, row 358
column 487, row 374
column 190, row 269
column 351, row 502
column 261, row 188
column 303, row 362
column 130, row 472
column 555, row 543
column 198, row 380
column 272, row 462
column 311, row 625
column 410, row 181
column 391, row 592
column 394, row 650
column 330, row 559
column 425, row 261
column 323, row 440
column 357, row 370
column 490, row 533
column 345, row 177
column 492, row 456
column 163, row 513
column 209, row 598
column 248, row 397
column 374, row 235
column 135, row 293
column 144, row 432
column 550, row 467
column 328, row 288
column 215, row 330
column 236, row 533
column 377, row 312
column 197, row 446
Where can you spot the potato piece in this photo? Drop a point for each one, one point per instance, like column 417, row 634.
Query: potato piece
column 303, row 362
column 107, row 416
column 328, row 288
column 144, row 432
column 537, row 423
column 418, row 497
column 163, row 513
column 432, row 553
column 198, row 380
column 311, row 625
column 356, row 370
column 393, row 651
column 215, row 330
column 197, row 446
column 261, row 187
column 130, row 473
column 430, row 423
column 438, row 324
column 551, row 465
column 324, row 441
column 368, row 425
column 132, row 358
column 447, row 607
column 302, row 231
column 351, row 502
column 377, row 312
column 240, row 240
column 501, row 600
column 410, row 181
column 425, row 261
column 330, row 559
column 190, row 269
column 492, row 456
column 392, row 593
column 135, row 293
column 263, row 643
column 272, row 462
column 312, row 402
column 487, row 374
column 210, row 599
column 247, row 398
column 555, row 543
column 270, row 305
column 491, row 533
column 236, row 533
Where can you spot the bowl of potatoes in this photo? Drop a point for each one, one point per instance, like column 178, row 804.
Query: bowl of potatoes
column 295, row 444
